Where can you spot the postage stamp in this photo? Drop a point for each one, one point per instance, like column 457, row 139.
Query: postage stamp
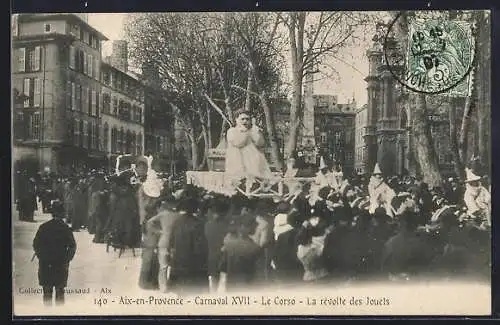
column 438, row 56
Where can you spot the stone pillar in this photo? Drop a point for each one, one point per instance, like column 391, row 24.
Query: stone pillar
column 387, row 155
column 373, row 88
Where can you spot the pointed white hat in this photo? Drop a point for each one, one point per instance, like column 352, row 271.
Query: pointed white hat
column 376, row 170
column 322, row 164
column 470, row 176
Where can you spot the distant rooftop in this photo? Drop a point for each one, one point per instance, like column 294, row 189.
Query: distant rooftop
column 75, row 17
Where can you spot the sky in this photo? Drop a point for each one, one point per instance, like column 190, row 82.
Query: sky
column 349, row 82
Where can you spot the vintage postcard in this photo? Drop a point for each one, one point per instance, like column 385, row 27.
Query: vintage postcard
column 251, row 163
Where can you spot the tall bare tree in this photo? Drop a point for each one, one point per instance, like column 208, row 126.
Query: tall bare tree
column 312, row 38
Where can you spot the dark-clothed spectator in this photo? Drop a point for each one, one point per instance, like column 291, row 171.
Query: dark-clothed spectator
column 238, row 262
column 55, row 247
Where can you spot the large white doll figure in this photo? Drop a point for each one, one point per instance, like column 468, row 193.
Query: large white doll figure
column 244, row 159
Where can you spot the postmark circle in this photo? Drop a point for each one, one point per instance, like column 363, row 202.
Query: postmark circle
column 432, row 56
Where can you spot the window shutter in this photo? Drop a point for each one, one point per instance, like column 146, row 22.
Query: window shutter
column 90, row 59
column 72, row 57
column 93, row 104
column 97, row 69
column 85, row 64
column 99, row 103
column 37, row 93
column 36, row 62
column 26, row 92
column 68, row 94
column 73, row 96
column 76, row 132
column 21, row 67
column 85, row 135
column 79, row 98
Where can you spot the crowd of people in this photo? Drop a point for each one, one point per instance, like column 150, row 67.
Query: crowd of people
column 334, row 228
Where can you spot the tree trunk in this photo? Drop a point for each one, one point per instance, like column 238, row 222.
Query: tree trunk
column 194, row 149
column 222, row 133
column 206, row 136
column 271, row 131
column 483, row 84
column 248, row 99
column 296, row 39
column 426, row 155
column 464, row 129
column 457, row 161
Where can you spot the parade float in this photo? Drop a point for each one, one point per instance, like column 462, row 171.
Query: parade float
column 224, row 177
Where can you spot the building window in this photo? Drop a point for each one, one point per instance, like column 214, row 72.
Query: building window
column 76, row 137
column 85, row 138
column 79, row 97
column 74, row 30
column 97, row 101
column 93, row 103
column 114, row 110
column 85, row 63
column 105, row 137
column 121, row 140
column 89, row 101
column 114, row 140
column 139, row 144
column 80, row 62
column 86, row 37
column 15, row 25
column 323, row 137
column 106, row 77
column 72, row 57
column 34, row 128
column 21, row 59
column 73, row 96
column 28, row 59
column 47, row 28
column 90, row 67
column 34, row 57
column 106, row 103
column 94, row 136
column 31, row 92
column 19, row 126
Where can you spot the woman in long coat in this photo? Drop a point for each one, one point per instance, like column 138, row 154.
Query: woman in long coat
column 124, row 224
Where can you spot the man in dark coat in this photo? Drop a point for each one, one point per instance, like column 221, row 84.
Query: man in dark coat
column 188, row 251
column 26, row 201
column 238, row 266
column 216, row 229
column 55, row 247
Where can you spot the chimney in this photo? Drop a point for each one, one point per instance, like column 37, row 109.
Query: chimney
column 150, row 72
column 119, row 55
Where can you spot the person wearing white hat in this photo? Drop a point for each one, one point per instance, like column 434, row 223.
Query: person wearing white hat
column 381, row 194
column 476, row 197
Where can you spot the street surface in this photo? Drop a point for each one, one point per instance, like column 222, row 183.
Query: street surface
column 92, row 268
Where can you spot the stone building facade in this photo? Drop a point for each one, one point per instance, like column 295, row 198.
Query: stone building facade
column 70, row 106
column 56, row 69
